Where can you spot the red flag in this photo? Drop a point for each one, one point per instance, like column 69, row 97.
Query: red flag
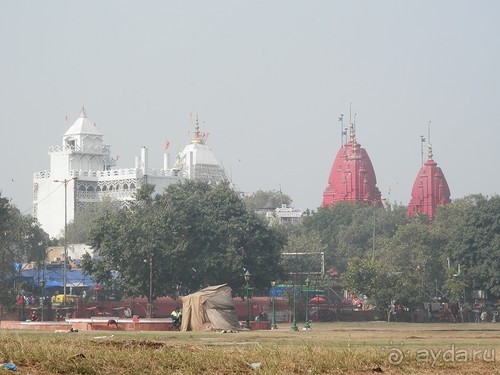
column 166, row 144
column 117, row 157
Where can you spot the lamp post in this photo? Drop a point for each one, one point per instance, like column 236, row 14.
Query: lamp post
column 294, row 321
column 150, row 299
column 306, row 324
column 42, row 284
column 65, row 183
column 247, row 277
column 23, row 318
column 273, row 321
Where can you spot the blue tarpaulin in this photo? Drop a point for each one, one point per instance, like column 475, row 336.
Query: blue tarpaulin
column 54, row 278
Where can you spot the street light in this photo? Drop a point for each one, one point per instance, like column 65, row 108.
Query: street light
column 23, row 318
column 150, row 300
column 273, row 321
column 306, row 324
column 294, row 321
column 247, row 277
column 42, row 284
column 65, row 182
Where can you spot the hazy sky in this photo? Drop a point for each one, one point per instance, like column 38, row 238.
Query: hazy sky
column 268, row 80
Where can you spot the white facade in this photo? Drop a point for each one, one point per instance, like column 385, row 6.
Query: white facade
column 82, row 171
column 285, row 214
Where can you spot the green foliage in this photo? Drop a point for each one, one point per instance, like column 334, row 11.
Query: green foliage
column 266, row 200
column 353, row 230
column 21, row 240
column 78, row 230
column 383, row 283
column 473, row 240
column 191, row 236
column 299, row 240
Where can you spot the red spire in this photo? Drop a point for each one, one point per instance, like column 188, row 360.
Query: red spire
column 352, row 178
column 429, row 190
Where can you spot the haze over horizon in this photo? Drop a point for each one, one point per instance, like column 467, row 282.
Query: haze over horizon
column 268, row 80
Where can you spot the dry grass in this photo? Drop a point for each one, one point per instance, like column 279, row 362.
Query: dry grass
column 334, row 348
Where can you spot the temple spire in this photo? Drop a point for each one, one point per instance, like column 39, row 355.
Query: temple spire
column 83, row 114
column 352, row 136
column 198, row 138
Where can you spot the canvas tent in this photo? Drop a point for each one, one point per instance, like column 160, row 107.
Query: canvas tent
column 209, row 308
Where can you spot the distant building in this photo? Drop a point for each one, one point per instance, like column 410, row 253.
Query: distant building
column 352, row 177
column 430, row 190
column 284, row 215
column 55, row 254
column 82, row 171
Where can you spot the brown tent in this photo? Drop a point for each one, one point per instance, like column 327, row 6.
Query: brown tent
column 209, row 308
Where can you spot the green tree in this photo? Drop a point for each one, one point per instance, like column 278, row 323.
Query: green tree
column 21, row 241
column 266, row 200
column 194, row 234
column 383, row 283
column 309, row 245
column 473, row 240
column 416, row 246
column 78, row 230
column 353, row 230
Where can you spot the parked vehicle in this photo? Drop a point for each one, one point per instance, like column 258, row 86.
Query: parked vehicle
column 59, row 298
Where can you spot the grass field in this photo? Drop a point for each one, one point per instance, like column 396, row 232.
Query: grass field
column 329, row 348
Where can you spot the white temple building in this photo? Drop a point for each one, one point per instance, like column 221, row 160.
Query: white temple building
column 83, row 171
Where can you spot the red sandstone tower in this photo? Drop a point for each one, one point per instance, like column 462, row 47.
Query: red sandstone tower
column 429, row 190
column 352, row 178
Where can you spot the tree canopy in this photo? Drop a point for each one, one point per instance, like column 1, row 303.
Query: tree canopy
column 261, row 200
column 21, row 241
column 193, row 235
column 78, row 230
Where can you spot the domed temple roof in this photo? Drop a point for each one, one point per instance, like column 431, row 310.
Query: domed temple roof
column 430, row 190
column 197, row 161
column 82, row 126
column 352, row 178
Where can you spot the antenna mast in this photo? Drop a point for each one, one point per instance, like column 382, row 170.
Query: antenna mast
column 429, row 132
column 341, row 120
column 422, row 140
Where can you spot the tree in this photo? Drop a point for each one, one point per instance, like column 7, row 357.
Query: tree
column 266, row 200
column 194, row 234
column 21, row 240
column 383, row 284
column 78, row 230
column 352, row 230
column 473, row 240
column 309, row 245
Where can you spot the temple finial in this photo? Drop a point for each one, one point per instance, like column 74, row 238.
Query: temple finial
column 430, row 152
column 197, row 134
column 83, row 114
column 352, row 136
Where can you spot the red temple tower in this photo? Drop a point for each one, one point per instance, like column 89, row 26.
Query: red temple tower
column 429, row 190
column 352, row 178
